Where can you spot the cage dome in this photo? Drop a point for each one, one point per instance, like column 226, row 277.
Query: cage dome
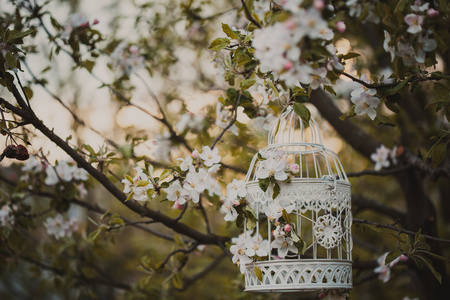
column 311, row 212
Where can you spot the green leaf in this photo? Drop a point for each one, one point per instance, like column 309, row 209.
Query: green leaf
column 93, row 236
column 177, row 281
column 428, row 263
column 105, row 214
column 245, row 84
column 392, row 255
column 392, row 107
column 258, row 273
column 11, row 60
column 91, row 151
column 286, row 216
column 20, row 35
column 229, row 32
column 166, row 173
column 264, row 184
column 438, row 154
column 219, row 44
column 89, row 65
column 329, row 89
column 294, row 237
column 383, row 120
column 28, row 92
column 276, row 191
column 397, row 87
column 351, row 113
column 301, row 110
column 150, row 193
column 350, row 55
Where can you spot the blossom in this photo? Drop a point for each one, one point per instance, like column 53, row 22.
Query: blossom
column 236, row 189
column 432, row 13
column 385, row 270
column 185, row 163
column 381, row 157
column 59, row 228
column 6, row 216
column 176, row 193
column 76, row 20
column 272, row 167
column 415, row 23
column 406, row 52
column 256, row 246
column 126, row 60
column 341, row 26
column 284, row 245
column 228, row 209
column 33, row 164
column 140, row 192
column 64, row 171
column 424, row 44
column 264, row 123
column 319, row 77
column 239, row 256
column 195, row 183
column 209, row 156
column 315, row 26
column 386, row 45
column 364, row 99
column 418, row 7
column 295, row 168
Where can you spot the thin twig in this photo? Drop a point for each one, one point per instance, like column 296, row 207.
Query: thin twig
column 185, row 251
column 219, row 137
column 249, row 15
column 379, row 173
column 398, row 229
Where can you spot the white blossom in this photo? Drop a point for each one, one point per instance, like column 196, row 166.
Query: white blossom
column 59, row 227
column 385, row 270
column 228, row 209
column 6, row 216
column 236, row 189
column 126, row 60
column 386, row 45
column 415, row 23
column 406, row 52
column 209, row 156
column 175, row 192
column 284, row 245
column 33, row 164
column 381, row 157
column 364, row 99
column 424, row 44
column 76, row 20
column 185, row 163
column 272, row 167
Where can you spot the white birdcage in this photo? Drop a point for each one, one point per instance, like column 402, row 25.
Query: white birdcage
column 316, row 202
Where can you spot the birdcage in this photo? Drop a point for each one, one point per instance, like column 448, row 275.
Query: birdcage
column 311, row 212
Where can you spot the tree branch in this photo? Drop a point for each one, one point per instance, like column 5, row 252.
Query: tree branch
column 363, row 203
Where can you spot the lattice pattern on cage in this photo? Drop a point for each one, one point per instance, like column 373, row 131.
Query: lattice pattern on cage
column 307, row 274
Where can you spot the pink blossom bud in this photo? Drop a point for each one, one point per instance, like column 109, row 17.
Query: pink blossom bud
column 84, row 25
column 432, row 13
column 288, row 65
column 341, row 26
column 195, row 154
column 294, row 168
column 287, row 227
column 176, row 205
column 133, row 49
column 96, row 21
column 322, row 295
column 290, row 24
column 319, row 4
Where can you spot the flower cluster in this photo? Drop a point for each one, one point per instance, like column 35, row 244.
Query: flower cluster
column 76, row 20
column 385, row 270
column 364, row 98
column 247, row 248
column 59, row 227
column 125, row 59
column 278, row 47
column 141, row 186
column 62, row 172
column 65, row 171
column 195, row 176
column 282, row 241
column 413, row 49
column 383, row 157
column 356, row 7
column 235, row 192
